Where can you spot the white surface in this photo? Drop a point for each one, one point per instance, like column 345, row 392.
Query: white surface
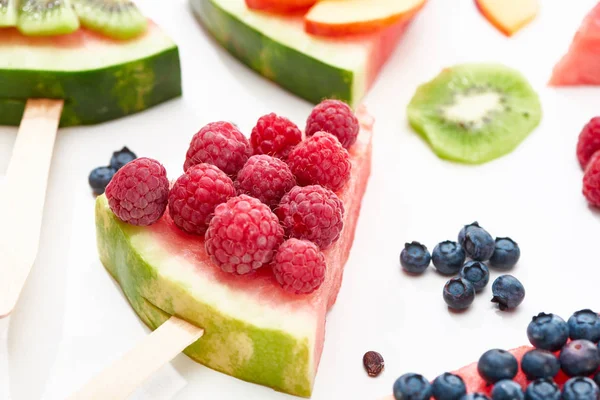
column 72, row 319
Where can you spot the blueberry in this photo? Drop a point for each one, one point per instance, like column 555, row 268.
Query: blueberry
column 459, row 293
column 448, row 387
column 100, row 177
column 477, row 273
column 415, row 258
column 548, row 332
column 463, row 232
column 506, row 254
column 412, row 387
column 475, row 396
column 597, row 378
column 478, row 244
column 585, row 324
column 122, row 157
column 580, row 388
column 507, row 390
column 542, row 389
column 448, row 257
column 508, row 292
column 496, row 365
column 538, row 364
column 579, row 358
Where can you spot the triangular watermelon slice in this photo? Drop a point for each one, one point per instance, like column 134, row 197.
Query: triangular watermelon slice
column 581, row 64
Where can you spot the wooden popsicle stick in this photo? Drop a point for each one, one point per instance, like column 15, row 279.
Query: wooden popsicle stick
column 22, row 199
column 124, row 376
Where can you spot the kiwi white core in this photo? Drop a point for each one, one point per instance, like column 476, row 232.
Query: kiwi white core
column 471, row 108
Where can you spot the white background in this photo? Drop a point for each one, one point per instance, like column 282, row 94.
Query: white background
column 72, row 319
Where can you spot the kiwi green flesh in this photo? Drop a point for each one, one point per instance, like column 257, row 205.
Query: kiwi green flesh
column 119, row 19
column 474, row 113
column 46, row 18
column 8, row 13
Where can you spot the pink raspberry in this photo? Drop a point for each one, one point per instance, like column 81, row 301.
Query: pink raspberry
column 335, row 117
column 243, row 235
column 266, row 178
column 589, row 141
column 591, row 181
column 220, row 144
column 139, row 191
column 312, row 213
column 195, row 195
column 299, row 266
column 275, row 136
column 320, row 160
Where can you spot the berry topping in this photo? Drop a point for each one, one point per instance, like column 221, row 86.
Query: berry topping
column 597, row 378
column 415, row 258
column 508, row 292
column 335, row 117
column 542, row 389
column 138, row 193
column 448, row 257
column 548, row 332
column 121, row 157
column 412, row 387
column 496, row 365
column 506, row 254
column 589, row 141
column 463, row 232
column 266, row 178
column 477, row 273
column 195, row 195
column 299, row 266
column 580, row 388
column 507, row 390
column 538, row 364
column 243, row 235
column 448, row 387
column 579, row 358
column 475, row 396
column 459, row 293
column 220, row 144
column 320, row 160
column 585, row 324
column 591, row 181
column 478, row 244
column 312, row 213
column 100, row 177
column 275, row 136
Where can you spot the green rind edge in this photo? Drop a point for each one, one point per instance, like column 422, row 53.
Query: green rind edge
column 278, row 360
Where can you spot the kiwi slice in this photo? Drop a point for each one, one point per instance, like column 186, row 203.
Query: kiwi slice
column 474, row 113
column 8, row 13
column 46, row 17
column 118, row 19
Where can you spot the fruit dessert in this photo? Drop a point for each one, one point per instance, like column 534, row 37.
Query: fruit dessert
column 249, row 243
column 581, row 65
column 104, row 58
column 316, row 50
column 563, row 364
column 508, row 16
column 474, row 113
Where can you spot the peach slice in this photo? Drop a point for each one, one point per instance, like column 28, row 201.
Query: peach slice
column 348, row 17
column 508, row 16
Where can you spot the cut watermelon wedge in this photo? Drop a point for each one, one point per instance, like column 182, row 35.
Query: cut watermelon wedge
column 581, row 65
column 254, row 330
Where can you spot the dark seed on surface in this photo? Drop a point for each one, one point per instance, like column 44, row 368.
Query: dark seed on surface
column 373, row 362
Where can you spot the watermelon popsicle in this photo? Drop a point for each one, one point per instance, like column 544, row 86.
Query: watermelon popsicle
column 82, row 63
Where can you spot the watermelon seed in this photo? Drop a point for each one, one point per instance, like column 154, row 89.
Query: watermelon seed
column 373, row 362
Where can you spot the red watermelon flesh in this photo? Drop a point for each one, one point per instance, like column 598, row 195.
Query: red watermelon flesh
column 581, row 64
column 280, row 6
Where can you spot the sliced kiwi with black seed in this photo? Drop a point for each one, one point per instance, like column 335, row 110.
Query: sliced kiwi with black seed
column 8, row 13
column 46, row 17
column 118, row 19
column 474, row 113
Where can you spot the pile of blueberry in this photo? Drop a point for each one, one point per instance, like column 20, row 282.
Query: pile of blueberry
column 449, row 258
column 101, row 176
column 554, row 355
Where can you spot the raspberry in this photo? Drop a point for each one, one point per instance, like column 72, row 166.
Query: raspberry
column 220, row 144
column 335, row 117
column 299, row 266
column 591, row 181
column 320, row 160
column 275, row 136
column 313, row 213
column 139, row 191
column 243, row 235
column 265, row 178
column 195, row 195
column 589, row 141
